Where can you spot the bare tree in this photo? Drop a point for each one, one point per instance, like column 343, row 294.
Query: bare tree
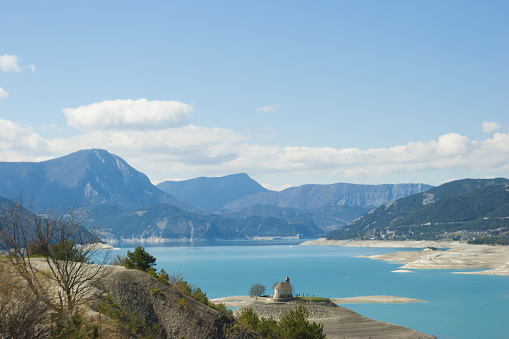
column 256, row 290
column 175, row 278
column 67, row 257
column 118, row 260
column 23, row 315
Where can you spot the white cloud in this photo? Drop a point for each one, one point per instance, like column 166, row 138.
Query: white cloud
column 20, row 143
column 3, row 94
column 270, row 108
column 276, row 188
column 191, row 151
column 450, row 151
column 452, row 144
column 129, row 114
column 188, row 144
column 490, row 126
column 9, row 63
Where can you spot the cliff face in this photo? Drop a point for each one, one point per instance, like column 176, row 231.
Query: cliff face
column 317, row 196
column 177, row 315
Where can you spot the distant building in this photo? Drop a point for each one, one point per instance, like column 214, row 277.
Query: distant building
column 283, row 290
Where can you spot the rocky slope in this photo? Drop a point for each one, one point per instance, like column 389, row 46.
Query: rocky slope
column 176, row 315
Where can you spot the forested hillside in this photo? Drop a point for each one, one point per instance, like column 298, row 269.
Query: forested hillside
column 453, row 209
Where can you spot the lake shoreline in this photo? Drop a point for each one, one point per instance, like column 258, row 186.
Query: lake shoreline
column 493, row 260
column 244, row 300
column 385, row 243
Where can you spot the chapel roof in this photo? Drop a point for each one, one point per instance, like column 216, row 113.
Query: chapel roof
column 283, row 284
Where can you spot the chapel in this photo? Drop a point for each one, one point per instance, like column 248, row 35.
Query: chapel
column 283, row 290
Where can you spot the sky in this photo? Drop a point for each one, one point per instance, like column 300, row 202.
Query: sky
column 289, row 92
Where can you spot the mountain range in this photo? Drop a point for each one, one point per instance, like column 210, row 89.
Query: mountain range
column 126, row 205
column 457, row 207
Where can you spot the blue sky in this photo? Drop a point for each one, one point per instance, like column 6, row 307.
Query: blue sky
column 290, row 92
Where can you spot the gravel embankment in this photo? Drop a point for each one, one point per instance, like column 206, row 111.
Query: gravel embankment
column 316, row 310
column 339, row 322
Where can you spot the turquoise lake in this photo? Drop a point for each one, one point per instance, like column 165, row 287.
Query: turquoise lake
column 457, row 305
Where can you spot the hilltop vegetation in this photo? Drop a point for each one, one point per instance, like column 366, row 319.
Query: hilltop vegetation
column 459, row 209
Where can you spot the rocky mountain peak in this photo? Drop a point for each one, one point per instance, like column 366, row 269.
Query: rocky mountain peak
column 84, row 178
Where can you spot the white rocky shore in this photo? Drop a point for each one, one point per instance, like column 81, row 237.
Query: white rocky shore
column 99, row 247
column 493, row 259
column 384, row 243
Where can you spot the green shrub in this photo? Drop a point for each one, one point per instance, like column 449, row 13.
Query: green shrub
column 155, row 290
column 140, row 260
column 163, row 277
column 66, row 250
column 182, row 303
column 293, row 324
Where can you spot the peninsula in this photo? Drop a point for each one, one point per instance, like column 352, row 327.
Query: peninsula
column 337, row 321
column 493, row 260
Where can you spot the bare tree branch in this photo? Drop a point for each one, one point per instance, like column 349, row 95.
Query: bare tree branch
column 23, row 314
column 53, row 246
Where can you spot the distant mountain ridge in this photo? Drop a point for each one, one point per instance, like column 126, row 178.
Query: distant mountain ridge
column 84, row 178
column 327, row 218
column 461, row 205
column 211, row 194
column 14, row 213
column 167, row 223
column 318, row 196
